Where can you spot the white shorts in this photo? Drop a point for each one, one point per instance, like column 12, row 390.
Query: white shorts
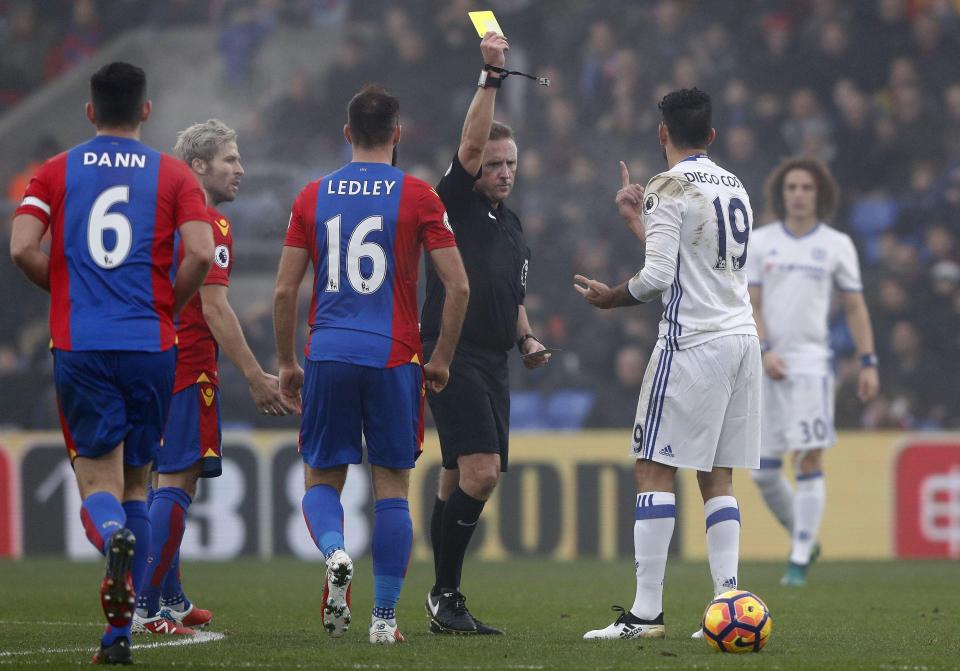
column 797, row 414
column 700, row 407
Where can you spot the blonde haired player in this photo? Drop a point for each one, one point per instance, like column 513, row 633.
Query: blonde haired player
column 795, row 265
column 699, row 405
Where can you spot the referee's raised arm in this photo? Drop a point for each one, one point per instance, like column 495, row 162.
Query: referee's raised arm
column 476, row 127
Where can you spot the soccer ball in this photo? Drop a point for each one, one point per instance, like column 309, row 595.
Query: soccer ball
column 737, row 621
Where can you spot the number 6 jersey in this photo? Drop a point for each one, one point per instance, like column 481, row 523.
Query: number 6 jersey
column 364, row 226
column 698, row 220
column 112, row 206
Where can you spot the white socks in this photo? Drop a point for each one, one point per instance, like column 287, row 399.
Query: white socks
column 723, row 541
column 656, row 514
column 777, row 493
column 808, row 504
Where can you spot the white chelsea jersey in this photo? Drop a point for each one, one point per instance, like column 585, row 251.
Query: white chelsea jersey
column 698, row 219
column 797, row 276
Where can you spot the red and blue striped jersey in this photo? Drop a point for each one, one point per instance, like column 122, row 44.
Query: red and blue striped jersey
column 112, row 206
column 364, row 226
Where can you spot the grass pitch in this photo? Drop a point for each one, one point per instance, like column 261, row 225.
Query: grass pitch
column 852, row 615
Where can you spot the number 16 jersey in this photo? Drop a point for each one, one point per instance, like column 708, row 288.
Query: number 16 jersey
column 112, row 206
column 363, row 226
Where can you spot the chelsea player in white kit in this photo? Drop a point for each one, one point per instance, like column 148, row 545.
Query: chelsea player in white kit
column 699, row 405
column 795, row 266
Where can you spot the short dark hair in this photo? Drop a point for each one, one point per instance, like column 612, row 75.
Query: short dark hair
column 373, row 115
column 500, row 131
column 687, row 115
column 828, row 191
column 118, row 91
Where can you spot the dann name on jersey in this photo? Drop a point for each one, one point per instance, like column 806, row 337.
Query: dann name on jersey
column 116, row 160
column 353, row 187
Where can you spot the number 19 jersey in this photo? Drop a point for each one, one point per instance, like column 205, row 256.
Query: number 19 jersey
column 699, row 214
column 112, row 206
column 364, row 226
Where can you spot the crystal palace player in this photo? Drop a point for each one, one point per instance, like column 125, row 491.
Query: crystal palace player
column 191, row 446
column 362, row 227
column 113, row 206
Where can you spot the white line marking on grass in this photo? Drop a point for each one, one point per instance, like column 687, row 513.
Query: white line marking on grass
column 196, row 639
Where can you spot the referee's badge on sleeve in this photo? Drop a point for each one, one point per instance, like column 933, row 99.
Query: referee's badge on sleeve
column 651, row 203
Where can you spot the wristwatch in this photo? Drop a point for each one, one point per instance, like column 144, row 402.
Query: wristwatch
column 869, row 360
column 525, row 338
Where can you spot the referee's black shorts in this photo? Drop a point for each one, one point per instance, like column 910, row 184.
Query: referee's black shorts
column 472, row 413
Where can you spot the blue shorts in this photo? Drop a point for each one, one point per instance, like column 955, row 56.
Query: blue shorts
column 193, row 432
column 108, row 398
column 344, row 401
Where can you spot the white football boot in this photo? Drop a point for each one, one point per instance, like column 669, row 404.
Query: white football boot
column 384, row 633
column 628, row 625
column 336, row 594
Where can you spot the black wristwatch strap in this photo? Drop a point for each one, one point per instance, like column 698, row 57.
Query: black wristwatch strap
column 525, row 338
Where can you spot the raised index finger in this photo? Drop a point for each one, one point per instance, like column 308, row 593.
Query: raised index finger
column 624, row 175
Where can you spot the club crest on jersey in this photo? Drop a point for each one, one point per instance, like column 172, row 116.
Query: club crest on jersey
column 651, row 203
column 221, row 256
column 223, row 225
column 207, row 393
column 818, row 253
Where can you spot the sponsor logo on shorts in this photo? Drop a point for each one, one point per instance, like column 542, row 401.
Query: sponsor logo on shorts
column 666, row 452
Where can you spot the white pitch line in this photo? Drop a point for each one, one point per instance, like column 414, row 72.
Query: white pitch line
column 196, row 639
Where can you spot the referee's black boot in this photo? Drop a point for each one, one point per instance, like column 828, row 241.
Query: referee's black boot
column 449, row 615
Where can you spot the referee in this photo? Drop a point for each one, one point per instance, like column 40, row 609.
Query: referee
column 473, row 413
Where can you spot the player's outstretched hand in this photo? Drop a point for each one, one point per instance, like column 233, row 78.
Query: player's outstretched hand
column 494, row 47
column 291, row 382
column 597, row 294
column 531, row 359
column 868, row 385
column 774, row 366
column 265, row 390
column 630, row 203
column 436, row 376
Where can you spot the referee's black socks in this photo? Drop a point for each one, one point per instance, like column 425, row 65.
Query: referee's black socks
column 450, row 531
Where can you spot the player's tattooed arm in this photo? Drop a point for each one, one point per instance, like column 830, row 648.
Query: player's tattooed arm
column 602, row 296
column 26, row 249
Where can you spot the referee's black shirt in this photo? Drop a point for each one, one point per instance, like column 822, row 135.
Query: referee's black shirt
column 496, row 258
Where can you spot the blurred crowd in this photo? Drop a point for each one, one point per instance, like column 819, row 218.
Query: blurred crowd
column 869, row 86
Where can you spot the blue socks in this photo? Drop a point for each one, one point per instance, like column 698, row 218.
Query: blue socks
column 168, row 517
column 102, row 514
column 392, row 542
column 172, row 592
column 324, row 516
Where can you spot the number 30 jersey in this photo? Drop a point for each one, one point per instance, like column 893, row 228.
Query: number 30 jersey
column 364, row 226
column 698, row 219
column 112, row 206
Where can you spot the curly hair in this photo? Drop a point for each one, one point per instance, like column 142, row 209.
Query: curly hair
column 828, row 191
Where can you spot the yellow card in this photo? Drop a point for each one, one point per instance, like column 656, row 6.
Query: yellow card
column 485, row 22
